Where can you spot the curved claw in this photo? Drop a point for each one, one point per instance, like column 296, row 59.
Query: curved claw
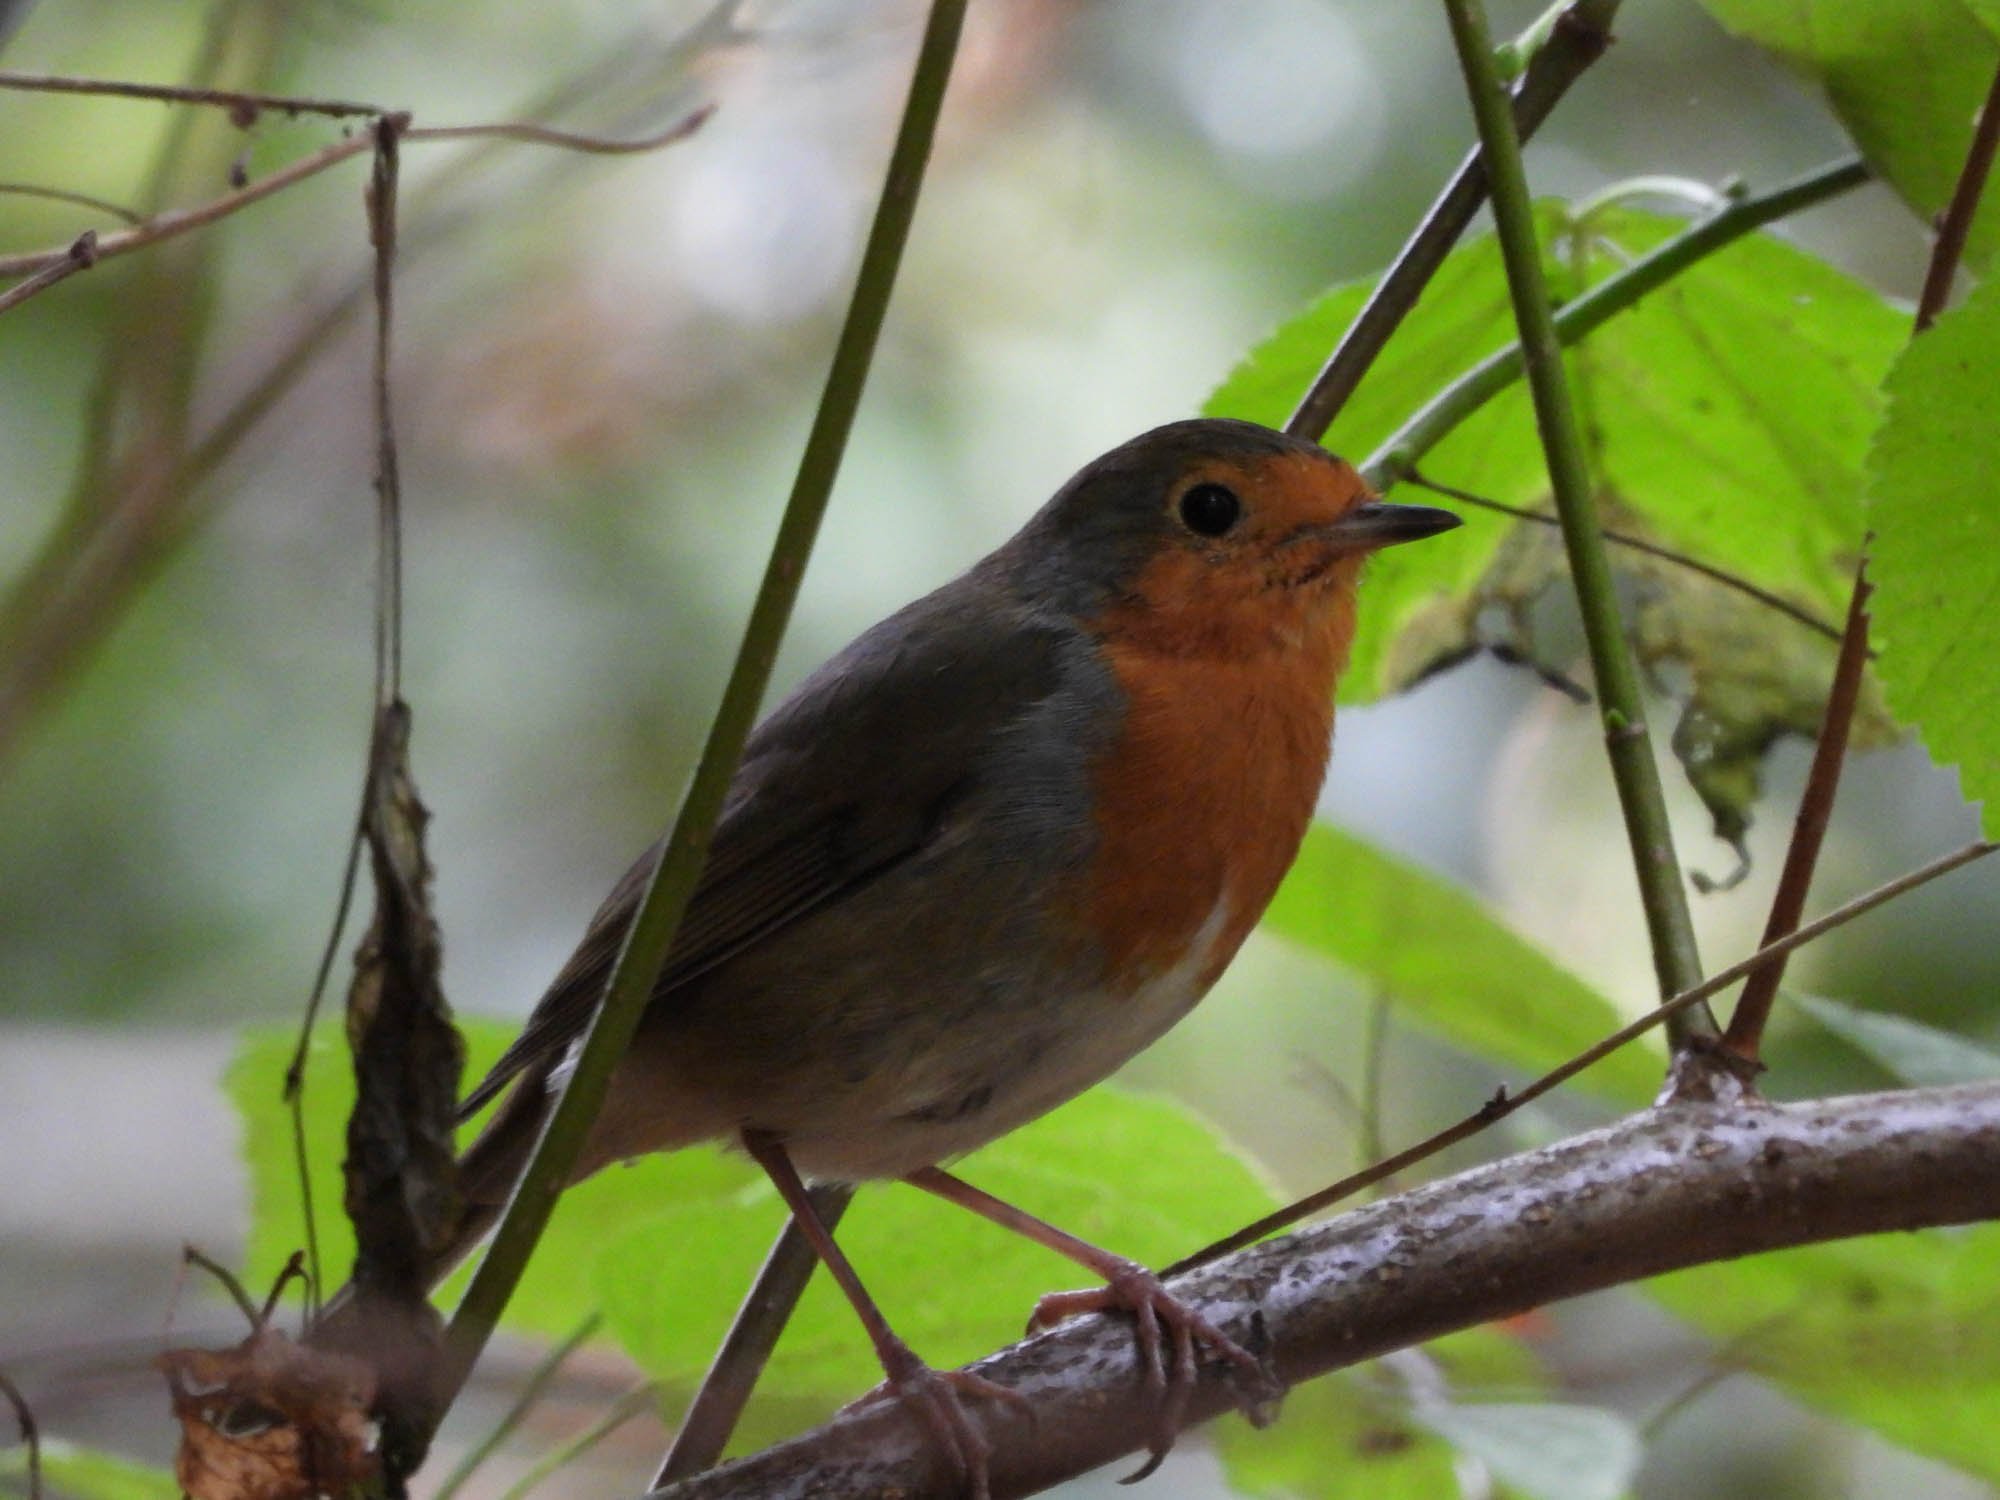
column 936, row 1399
column 1159, row 1316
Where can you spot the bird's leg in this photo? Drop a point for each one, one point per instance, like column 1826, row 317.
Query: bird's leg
column 932, row 1396
column 1130, row 1287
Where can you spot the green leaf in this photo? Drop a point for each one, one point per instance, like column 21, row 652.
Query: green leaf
column 1349, row 1436
column 1695, row 447
column 1898, row 1333
column 1917, row 1054
column 1937, row 546
column 1452, row 969
column 1906, row 77
column 1545, row 1450
column 1138, row 1176
column 1336, row 1440
column 78, row 1473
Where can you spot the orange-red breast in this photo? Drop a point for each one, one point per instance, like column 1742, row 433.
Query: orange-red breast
column 994, row 848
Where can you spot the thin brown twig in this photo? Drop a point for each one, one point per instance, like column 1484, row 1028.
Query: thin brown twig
column 227, row 1279
column 53, row 618
column 717, row 28
column 180, row 221
column 567, row 140
column 259, row 1318
column 1580, row 37
column 381, row 201
column 1956, row 224
column 295, row 1070
column 136, row 416
column 81, row 256
column 120, row 423
column 113, row 535
column 264, row 391
column 1626, row 539
column 31, row 1435
column 244, row 106
column 294, row 1269
column 1745, row 1034
column 382, row 192
column 175, row 222
column 1504, row 1103
column 1744, row 1037
column 64, row 195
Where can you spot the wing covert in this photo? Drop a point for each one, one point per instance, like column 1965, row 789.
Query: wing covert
column 851, row 775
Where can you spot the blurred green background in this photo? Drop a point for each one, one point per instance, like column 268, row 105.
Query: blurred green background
column 604, row 370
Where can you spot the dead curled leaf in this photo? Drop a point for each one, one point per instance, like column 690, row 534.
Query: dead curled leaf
column 401, row 1179
column 270, row 1419
column 400, row 1172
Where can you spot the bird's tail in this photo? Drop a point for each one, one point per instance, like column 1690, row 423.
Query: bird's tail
column 486, row 1176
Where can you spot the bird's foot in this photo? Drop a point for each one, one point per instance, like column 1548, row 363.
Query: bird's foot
column 936, row 1398
column 1163, row 1320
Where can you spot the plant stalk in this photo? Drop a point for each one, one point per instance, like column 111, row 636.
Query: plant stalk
column 674, row 878
column 1438, row 417
column 1563, row 49
column 1676, row 961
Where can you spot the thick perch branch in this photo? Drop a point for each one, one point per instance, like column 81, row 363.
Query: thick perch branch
column 1658, row 1192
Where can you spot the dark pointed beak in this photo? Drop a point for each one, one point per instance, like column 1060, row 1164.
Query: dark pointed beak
column 1380, row 524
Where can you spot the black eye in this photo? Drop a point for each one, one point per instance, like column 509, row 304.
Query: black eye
column 1210, row 509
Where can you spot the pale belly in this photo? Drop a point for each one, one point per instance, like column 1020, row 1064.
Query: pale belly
column 1092, row 1035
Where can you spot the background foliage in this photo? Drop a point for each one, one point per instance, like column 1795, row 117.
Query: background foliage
column 604, row 375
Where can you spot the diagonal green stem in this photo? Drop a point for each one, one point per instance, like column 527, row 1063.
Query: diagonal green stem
column 674, row 878
column 1676, row 962
column 631, row 1404
column 1564, row 45
column 1430, row 425
column 539, row 1380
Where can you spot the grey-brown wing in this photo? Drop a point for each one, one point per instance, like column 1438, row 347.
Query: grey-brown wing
column 853, row 774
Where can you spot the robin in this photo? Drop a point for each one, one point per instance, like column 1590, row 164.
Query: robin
column 985, row 855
